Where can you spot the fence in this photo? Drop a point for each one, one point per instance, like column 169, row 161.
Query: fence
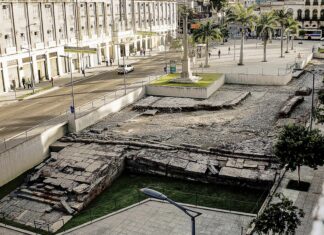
column 8, row 143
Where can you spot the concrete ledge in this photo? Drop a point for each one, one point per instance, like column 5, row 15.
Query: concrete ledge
column 112, row 107
column 28, row 154
column 258, row 79
column 318, row 55
column 185, row 92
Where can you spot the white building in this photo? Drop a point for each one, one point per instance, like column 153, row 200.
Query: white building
column 310, row 13
column 42, row 28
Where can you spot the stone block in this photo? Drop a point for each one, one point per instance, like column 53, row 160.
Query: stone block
column 196, row 168
column 178, row 163
column 230, row 172
column 231, row 162
column 249, row 174
column 93, row 167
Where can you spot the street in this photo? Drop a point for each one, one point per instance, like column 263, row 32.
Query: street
column 23, row 115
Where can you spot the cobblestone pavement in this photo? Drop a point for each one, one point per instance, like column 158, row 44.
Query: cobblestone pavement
column 159, row 218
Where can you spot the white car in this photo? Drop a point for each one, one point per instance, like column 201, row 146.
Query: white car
column 125, row 68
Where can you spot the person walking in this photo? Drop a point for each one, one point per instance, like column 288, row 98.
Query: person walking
column 83, row 72
column 111, row 61
column 107, row 63
column 219, row 53
column 28, row 84
column 165, row 69
column 229, row 50
column 23, row 80
column 209, row 54
column 52, row 80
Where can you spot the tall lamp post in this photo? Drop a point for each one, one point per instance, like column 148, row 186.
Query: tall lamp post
column 192, row 214
column 30, row 57
column 314, row 73
column 72, row 86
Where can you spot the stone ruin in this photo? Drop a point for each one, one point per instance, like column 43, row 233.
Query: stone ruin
column 81, row 167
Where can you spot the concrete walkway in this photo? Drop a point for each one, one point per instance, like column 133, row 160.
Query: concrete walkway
column 158, row 218
column 305, row 200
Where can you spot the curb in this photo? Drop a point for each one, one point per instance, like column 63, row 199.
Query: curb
column 41, row 93
column 16, row 229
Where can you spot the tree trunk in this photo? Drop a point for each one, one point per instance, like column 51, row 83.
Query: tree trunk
column 287, row 48
column 207, row 54
column 281, row 42
column 298, row 174
column 241, row 51
column 292, row 43
column 265, row 50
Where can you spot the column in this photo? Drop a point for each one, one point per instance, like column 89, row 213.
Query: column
column 5, row 75
column 127, row 49
column 91, row 58
column 48, row 66
column 99, row 54
column 107, row 52
column 21, row 72
column 59, row 64
column 146, row 43
column 35, row 69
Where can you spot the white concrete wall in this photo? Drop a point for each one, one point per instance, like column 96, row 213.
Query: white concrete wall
column 318, row 55
column 25, row 156
column 258, row 79
column 188, row 92
column 113, row 107
column 302, row 63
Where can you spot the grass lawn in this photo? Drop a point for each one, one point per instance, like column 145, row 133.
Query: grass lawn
column 207, row 79
column 125, row 192
column 321, row 50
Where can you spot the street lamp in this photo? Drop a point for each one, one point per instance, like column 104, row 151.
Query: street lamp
column 313, row 72
column 72, row 87
column 118, row 48
column 30, row 57
column 157, row 195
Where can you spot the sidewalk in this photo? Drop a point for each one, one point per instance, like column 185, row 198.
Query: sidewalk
column 46, row 86
column 305, row 200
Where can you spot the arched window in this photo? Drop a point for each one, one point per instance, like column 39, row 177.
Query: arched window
column 307, row 14
column 322, row 14
column 315, row 2
column 299, row 14
column 322, row 2
column 315, row 14
column 307, row 3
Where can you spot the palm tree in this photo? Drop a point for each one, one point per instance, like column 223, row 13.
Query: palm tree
column 265, row 25
column 245, row 18
column 282, row 16
column 291, row 27
column 205, row 34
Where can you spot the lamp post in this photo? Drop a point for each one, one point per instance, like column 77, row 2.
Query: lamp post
column 72, row 86
column 192, row 214
column 30, row 57
column 118, row 47
column 313, row 72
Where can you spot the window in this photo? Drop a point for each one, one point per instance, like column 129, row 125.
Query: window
column 322, row 14
column 299, row 14
column 315, row 2
column 307, row 14
column 315, row 14
column 307, row 3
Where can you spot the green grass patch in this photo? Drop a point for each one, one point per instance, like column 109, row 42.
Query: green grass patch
column 321, row 50
column 125, row 192
column 36, row 91
column 207, row 80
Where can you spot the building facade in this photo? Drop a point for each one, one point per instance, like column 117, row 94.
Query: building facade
column 310, row 13
column 33, row 34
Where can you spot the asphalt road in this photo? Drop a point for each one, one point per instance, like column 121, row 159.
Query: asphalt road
column 23, row 115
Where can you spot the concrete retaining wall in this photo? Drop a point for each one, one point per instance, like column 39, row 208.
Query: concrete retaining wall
column 112, row 107
column 25, row 156
column 300, row 64
column 318, row 55
column 188, row 92
column 258, row 79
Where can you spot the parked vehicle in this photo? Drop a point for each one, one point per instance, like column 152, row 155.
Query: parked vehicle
column 127, row 68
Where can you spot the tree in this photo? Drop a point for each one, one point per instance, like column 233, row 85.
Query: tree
column 219, row 4
column 297, row 146
column 291, row 27
column 282, row 16
column 207, row 33
column 245, row 18
column 265, row 25
column 279, row 218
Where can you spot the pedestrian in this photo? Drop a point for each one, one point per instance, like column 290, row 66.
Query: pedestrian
column 107, row 63
column 28, row 84
column 23, row 82
column 229, row 50
column 219, row 53
column 165, row 69
column 83, row 72
column 111, row 61
column 144, row 52
column 52, row 80
column 209, row 54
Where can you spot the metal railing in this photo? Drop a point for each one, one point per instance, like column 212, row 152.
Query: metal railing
column 8, row 143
